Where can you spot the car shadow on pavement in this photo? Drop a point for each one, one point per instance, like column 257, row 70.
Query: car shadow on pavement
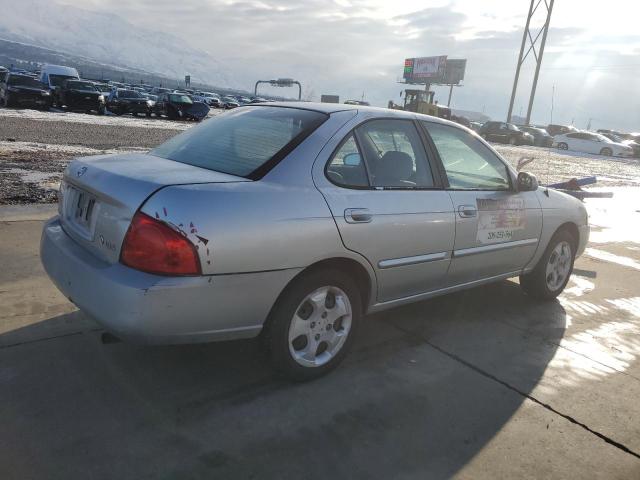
column 426, row 387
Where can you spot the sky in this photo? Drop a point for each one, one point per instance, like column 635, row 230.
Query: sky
column 354, row 48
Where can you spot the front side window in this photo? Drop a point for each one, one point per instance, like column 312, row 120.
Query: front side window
column 394, row 154
column 468, row 163
column 241, row 142
column 347, row 168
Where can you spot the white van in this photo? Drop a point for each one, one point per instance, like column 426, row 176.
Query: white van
column 54, row 75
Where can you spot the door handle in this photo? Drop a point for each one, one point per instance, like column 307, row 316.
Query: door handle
column 357, row 215
column 467, row 211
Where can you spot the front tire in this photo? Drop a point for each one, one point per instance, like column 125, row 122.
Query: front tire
column 513, row 141
column 313, row 324
column 563, row 146
column 551, row 274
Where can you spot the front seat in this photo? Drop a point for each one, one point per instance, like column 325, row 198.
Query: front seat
column 394, row 170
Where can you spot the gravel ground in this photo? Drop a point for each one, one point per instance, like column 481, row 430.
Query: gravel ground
column 36, row 146
column 89, row 135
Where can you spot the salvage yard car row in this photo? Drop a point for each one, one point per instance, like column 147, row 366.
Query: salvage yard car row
column 608, row 143
column 61, row 87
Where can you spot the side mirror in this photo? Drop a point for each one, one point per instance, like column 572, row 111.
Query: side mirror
column 352, row 159
column 526, row 182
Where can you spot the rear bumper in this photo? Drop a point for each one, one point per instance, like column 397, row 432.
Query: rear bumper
column 153, row 309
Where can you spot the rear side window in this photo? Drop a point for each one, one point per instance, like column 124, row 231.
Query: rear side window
column 347, row 168
column 245, row 142
column 468, row 163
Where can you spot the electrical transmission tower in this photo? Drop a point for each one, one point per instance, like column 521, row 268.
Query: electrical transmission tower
column 537, row 53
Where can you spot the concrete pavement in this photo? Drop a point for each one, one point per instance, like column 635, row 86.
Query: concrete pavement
column 480, row 384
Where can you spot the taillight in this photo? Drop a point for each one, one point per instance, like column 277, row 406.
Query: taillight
column 152, row 246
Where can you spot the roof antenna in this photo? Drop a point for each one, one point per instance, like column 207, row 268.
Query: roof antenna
column 553, row 95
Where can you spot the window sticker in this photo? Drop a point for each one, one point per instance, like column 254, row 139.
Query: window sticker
column 498, row 220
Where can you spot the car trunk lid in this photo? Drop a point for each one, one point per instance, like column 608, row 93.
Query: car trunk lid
column 101, row 194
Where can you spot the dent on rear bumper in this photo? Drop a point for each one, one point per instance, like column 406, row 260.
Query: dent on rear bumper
column 162, row 310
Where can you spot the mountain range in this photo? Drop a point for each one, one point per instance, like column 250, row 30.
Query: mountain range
column 108, row 39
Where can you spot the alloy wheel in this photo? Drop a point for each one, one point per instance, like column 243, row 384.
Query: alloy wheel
column 320, row 326
column 558, row 266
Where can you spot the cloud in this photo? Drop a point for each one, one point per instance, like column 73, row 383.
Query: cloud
column 348, row 47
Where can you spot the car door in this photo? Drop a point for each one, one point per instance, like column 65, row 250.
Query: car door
column 497, row 228
column 389, row 205
column 592, row 144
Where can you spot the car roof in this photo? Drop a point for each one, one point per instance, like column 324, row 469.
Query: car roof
column 330, row 108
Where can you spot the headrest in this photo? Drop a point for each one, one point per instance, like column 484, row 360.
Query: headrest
column 394, row 167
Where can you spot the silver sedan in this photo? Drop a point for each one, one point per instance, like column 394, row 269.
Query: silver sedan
column 293, row 221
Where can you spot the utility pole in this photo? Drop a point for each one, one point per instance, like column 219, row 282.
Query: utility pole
column 538, row 54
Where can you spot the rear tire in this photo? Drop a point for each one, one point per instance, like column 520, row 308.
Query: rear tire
column 607, row 152
column 551, row 274
column 325, row 308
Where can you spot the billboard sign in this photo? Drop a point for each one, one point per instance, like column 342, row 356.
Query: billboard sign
column 425, row 69
column 329, row 99
column 454, row 72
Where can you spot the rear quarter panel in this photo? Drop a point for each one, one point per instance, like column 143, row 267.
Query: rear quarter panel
column 281, row 221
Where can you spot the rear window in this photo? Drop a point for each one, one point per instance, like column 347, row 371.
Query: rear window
column 245, row 142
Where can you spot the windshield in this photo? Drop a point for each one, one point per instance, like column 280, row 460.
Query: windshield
column 243, row 141
column 129, row 94
column 77, row 85
column 512, row 127
column 180, row 98
column 24, row 81
column 602, row 138
column 56, row 80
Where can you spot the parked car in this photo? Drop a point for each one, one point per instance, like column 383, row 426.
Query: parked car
column 540, row 136
column 464, row 121
column 103, row 88
column 18, row 90
column 295, row 220
column 177, row 106
column 3, row 73
column 591, row 143
column 160, row 90
column 54, row 75
column 79, row 95
column 211, row 99
column 229, row 102
column 475, row 126
column 554, row 130
column 123, row 101
column 503, row 132
column 618, row 138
